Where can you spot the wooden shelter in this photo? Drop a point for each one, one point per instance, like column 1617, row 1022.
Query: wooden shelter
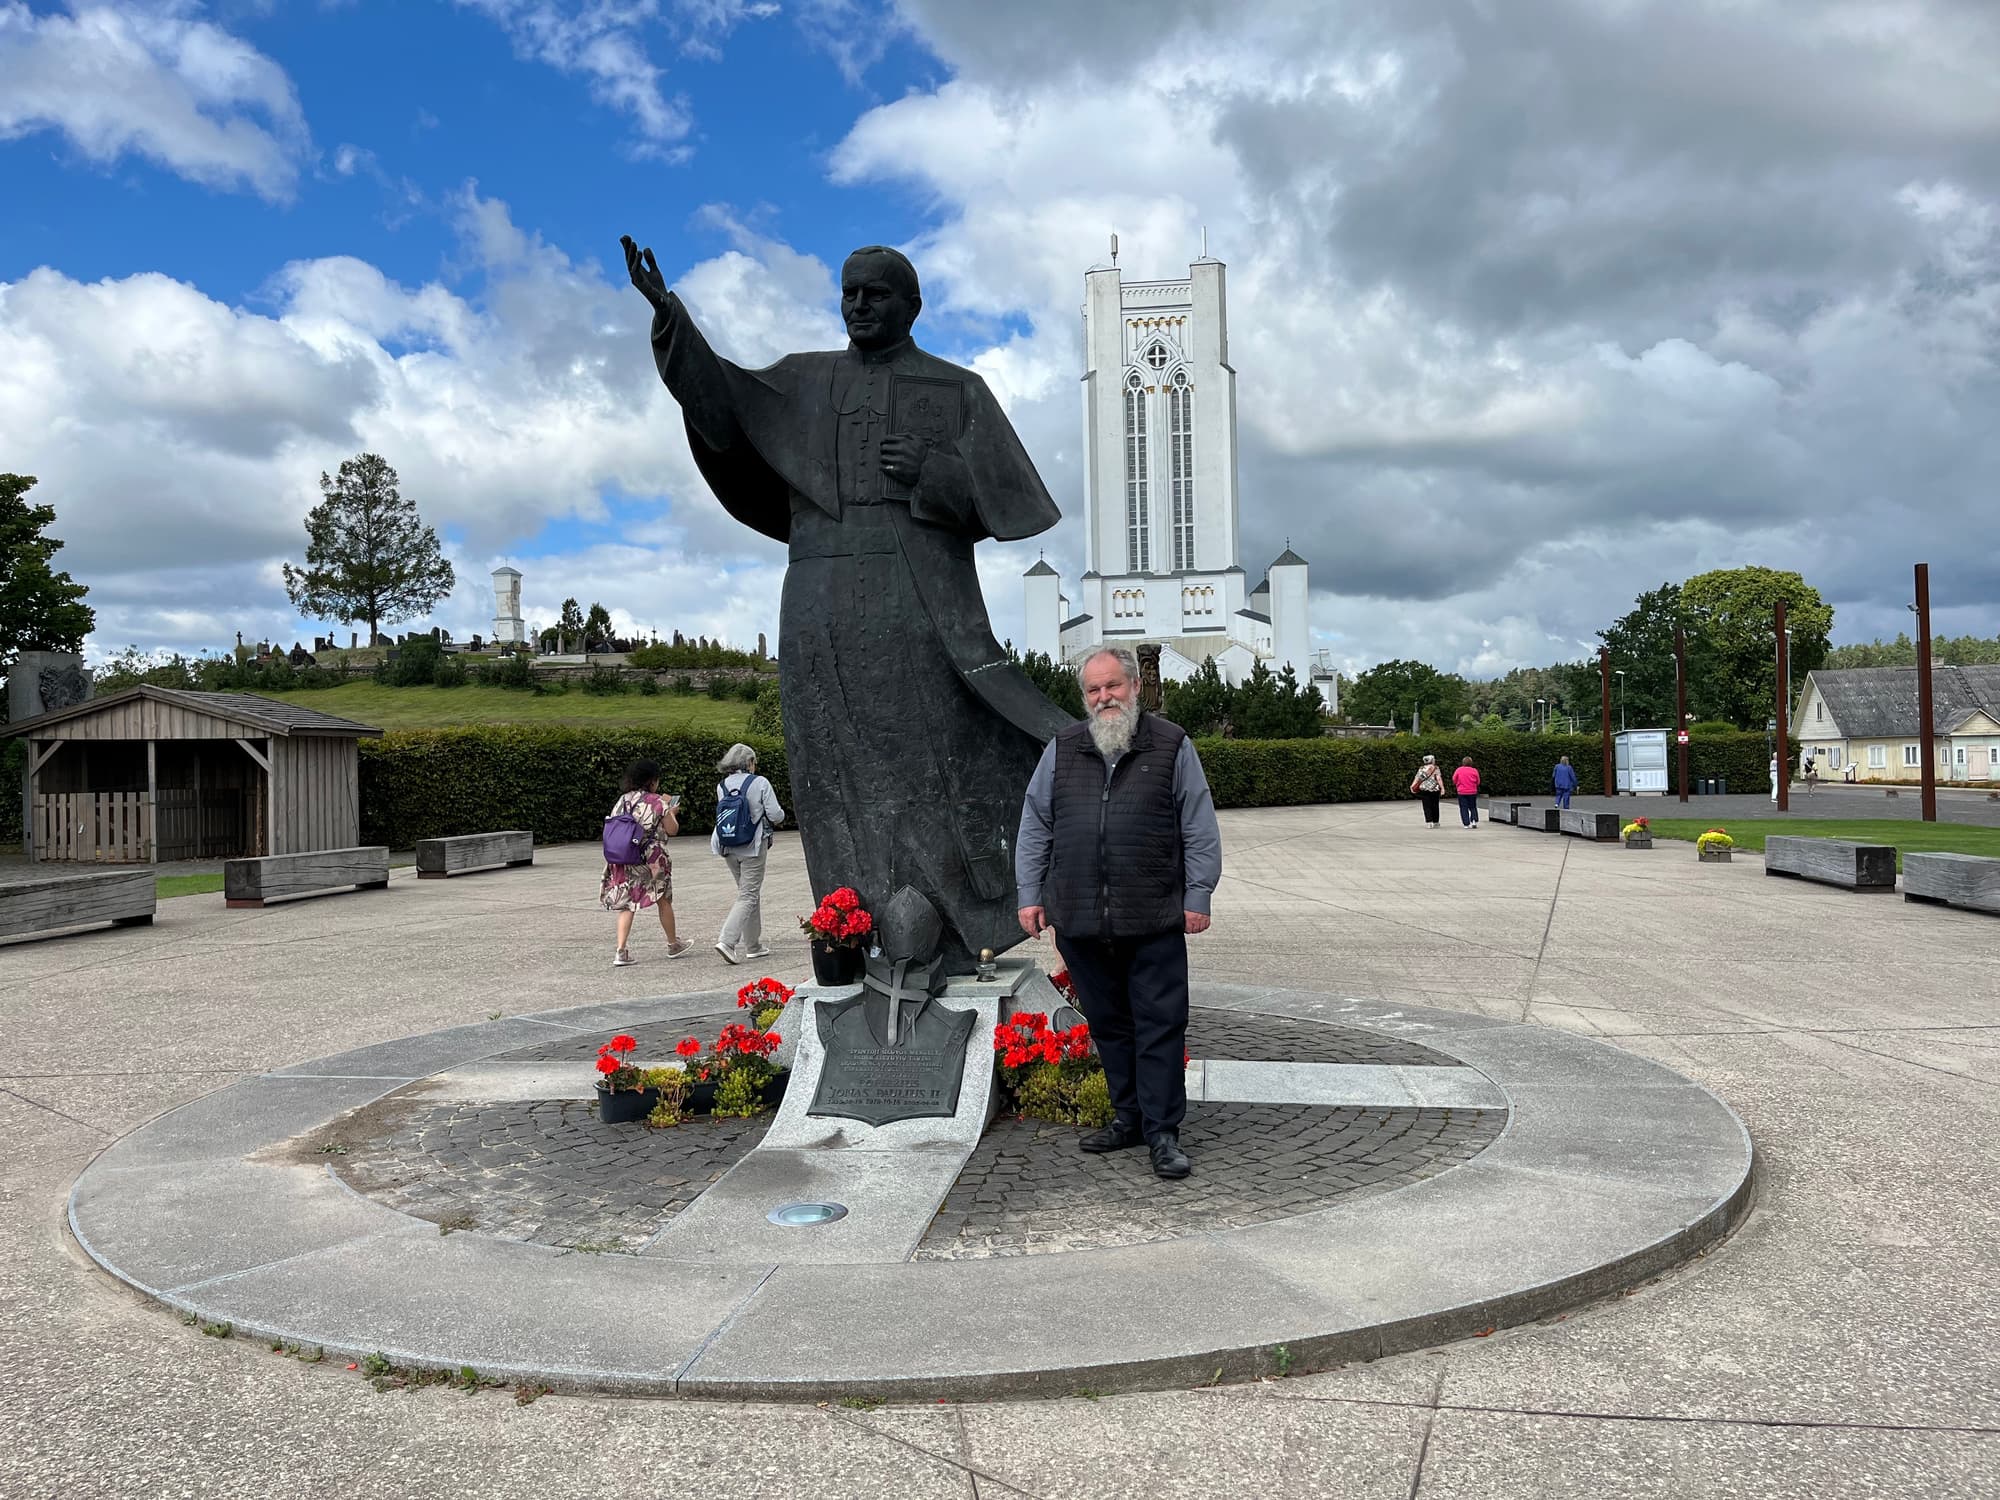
column 153, row 774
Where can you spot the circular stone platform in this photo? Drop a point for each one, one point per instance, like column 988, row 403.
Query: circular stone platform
column 1369, row 1178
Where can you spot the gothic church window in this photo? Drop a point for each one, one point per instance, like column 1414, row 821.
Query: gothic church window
column 1138, row 529
column 1180, row 438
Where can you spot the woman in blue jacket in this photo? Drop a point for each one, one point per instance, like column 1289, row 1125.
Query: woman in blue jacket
column 1565, row 781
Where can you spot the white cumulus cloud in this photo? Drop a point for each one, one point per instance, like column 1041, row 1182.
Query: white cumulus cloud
column 127, row 79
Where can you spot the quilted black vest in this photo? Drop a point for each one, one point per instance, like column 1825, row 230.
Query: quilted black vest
column 1115, row 866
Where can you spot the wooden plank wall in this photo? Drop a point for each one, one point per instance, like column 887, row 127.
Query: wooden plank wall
column 142, row 719
column 316, row 792
column 94, row 827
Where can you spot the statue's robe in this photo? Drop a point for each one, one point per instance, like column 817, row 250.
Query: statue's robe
column 909, row 737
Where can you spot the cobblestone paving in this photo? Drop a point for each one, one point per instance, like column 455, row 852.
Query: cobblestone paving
column 548, row 1171
column 1028, row 1191
column 1255, row 1038
column 655, row 1038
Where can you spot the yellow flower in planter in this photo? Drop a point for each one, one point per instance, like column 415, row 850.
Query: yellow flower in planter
column 1715, row 838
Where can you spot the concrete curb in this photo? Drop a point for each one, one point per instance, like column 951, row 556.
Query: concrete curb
column 1611, row 1169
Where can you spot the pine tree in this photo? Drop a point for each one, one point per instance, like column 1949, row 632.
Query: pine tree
column 369, row 556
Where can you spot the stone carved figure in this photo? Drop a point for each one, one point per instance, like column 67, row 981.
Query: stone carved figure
column 909, row 736
column 63, row 687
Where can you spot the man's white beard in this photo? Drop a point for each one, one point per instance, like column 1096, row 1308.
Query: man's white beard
column 1111, row 728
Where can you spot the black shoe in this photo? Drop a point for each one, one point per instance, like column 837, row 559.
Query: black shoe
column 1168, row 1158
column 1116, row 1136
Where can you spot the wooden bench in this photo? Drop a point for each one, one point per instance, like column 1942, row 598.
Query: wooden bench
column 1968, row 880
column 124, row 898
column 1852, row 867
column 462, row 853
column 1600, row 827
column 253, row 882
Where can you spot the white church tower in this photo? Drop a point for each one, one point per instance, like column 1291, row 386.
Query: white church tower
column 1160, row 500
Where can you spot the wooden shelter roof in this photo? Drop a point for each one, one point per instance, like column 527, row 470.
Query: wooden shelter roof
column 255, row 714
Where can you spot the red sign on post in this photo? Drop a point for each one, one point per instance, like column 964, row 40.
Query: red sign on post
column 1681, row 738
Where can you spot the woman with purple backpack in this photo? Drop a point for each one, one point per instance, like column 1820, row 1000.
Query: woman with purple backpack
column 637, row 871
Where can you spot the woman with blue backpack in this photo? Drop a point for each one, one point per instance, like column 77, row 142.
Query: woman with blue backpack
column 746, row 810
column 637, row 871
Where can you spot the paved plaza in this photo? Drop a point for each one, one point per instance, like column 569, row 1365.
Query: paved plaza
column 1839, row 1342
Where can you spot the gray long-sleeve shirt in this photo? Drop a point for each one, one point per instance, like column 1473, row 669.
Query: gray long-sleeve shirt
column 1201, row 839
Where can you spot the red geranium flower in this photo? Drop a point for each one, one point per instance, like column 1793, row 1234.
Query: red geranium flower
column 688, row 1046
column 621, row 1043
column 606, row 1063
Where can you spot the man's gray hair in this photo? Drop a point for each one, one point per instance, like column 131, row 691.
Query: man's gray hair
column 738, row 757
column 1125, row 656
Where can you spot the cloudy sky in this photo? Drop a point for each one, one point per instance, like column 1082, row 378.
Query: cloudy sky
column 1534, row 304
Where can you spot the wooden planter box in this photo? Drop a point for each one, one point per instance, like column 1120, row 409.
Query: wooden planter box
column 1713, row 856
column 1639, row 841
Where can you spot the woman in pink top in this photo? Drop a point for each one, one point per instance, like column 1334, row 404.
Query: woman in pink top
column 1466, row 781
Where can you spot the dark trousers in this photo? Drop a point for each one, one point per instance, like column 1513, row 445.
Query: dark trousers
column 1468, row 809
column 1134, row 994
column 1562, row 796
column 1430, row 801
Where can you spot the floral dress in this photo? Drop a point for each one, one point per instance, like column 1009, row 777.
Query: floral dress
column 636, row 887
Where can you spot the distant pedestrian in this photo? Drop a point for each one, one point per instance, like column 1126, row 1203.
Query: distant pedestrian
column 1428, row 784
column 746, row 810
column 1811, row 769
column 637, row 870
column 1465, row 780
column 1774, row 777
column 1565, row 781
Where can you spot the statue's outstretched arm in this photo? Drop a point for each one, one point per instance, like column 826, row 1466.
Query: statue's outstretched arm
column 689, row 367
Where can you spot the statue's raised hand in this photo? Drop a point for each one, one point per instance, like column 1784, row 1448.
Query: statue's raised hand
column 645, row 273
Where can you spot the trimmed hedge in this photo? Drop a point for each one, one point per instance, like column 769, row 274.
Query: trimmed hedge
column 1283, row 773
column 560, row 782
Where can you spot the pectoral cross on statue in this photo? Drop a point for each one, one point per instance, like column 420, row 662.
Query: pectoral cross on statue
column 905, row 980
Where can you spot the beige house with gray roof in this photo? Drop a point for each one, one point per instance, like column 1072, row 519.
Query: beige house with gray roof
column 1861, row 723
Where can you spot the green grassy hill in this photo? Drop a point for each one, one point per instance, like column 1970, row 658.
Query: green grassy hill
column 437, row 708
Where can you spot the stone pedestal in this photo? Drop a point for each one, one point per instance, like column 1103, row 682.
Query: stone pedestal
column 890, row 1178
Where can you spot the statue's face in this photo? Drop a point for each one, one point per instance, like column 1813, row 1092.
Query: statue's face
column 873, row 302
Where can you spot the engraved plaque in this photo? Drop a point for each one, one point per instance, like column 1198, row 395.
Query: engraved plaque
column 865, row 1076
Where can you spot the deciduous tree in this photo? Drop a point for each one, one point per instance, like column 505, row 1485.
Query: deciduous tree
column 41, row 609
column 1398, row 689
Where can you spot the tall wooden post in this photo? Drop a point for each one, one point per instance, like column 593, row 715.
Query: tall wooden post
column 1610, row 765
column 151, row 821
column 1783, row 699
column 1926, row 726
column 1681, row 706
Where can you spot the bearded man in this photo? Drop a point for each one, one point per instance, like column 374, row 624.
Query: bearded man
column 1119, row 853
column 880, row 466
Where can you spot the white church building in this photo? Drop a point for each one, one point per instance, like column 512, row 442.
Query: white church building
column 1160, row 499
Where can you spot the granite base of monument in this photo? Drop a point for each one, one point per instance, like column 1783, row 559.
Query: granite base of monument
column 890, row 1177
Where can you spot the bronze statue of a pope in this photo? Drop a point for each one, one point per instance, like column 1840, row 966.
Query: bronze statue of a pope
column 909, row 736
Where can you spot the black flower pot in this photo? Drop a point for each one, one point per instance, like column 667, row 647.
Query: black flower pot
column 833, row 966
column 623, row 1106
